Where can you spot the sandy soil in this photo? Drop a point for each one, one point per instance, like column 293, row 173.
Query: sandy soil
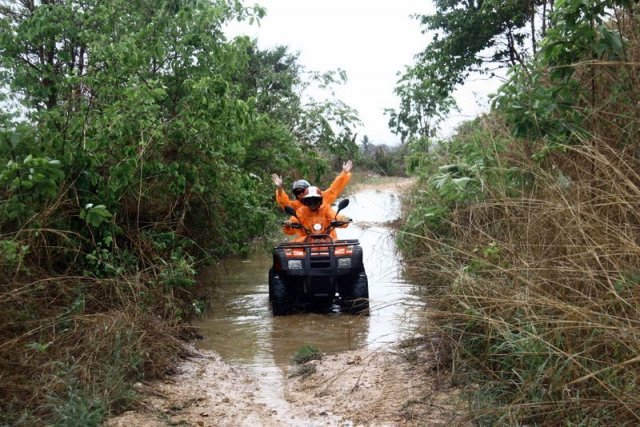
column 356, row 388
column 385, row 387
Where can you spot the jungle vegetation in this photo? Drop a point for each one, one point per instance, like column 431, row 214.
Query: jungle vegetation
column 136, row 145
column 525, row 225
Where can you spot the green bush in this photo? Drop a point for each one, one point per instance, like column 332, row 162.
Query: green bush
column 305, row 354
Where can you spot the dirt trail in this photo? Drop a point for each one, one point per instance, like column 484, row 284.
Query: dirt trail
column 390, row 386
column 356, row 388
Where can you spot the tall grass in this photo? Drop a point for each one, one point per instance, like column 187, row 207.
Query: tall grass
column 540, row 294
column 72, row 347
column 537, row 286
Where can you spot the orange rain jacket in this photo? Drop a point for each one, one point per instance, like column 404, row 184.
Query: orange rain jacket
column 323, row 216
column 328, row 196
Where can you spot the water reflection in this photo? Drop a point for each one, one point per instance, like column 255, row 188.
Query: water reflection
column 331, row 333
column 241, row 328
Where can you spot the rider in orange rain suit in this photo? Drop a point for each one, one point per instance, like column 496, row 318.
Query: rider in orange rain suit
column 314, row 211
column 329, row 195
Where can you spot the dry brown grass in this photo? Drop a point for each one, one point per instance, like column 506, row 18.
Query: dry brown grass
column 540, row 294
column 73, row 346
column 543, row 293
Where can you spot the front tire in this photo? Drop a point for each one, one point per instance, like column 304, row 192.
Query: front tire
column 271, row 275
column 358, row 300
column 279, row 297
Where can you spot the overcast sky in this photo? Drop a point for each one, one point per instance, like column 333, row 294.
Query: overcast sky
column 372, row 40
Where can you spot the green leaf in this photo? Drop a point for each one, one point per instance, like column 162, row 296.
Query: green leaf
column 95, row 215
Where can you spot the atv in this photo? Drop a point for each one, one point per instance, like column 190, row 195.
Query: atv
column 319, row 271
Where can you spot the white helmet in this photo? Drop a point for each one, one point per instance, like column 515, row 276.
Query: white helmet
column 312, row 196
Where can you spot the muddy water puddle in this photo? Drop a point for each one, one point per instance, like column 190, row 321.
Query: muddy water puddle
column 241, row 328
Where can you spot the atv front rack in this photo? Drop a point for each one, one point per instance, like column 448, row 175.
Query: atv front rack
column 320, row 257
column 328, row 242
column 319, row 248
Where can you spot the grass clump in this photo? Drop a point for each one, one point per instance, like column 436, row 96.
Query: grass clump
column 538, row 293
column 62, row 364
column 303, row 370
column 301, row 358
column 306, row 353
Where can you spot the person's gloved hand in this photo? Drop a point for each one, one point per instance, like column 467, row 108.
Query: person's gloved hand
column 346, row 166
column 277, row 180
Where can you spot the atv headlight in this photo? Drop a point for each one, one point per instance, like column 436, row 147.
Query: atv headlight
column 344, row 262
column 295, row 264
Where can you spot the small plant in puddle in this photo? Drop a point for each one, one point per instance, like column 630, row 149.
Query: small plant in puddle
column 303, row 370
column 300, row 359
column 305, row 354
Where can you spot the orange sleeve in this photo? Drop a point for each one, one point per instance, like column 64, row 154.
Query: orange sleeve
column 336, row 188
column 282, row 198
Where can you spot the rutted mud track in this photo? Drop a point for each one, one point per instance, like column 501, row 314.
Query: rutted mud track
column 384, row 386
column 356, row 388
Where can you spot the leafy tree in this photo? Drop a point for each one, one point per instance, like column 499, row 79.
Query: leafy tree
column 540, row 101
column 384, row 159
column 470, row 36
column 326, row 126
column 161, row 100
column 422, row 106
column 296, row 133
column 142, row 134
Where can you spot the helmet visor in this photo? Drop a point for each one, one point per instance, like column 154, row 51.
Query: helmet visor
column 312, row 202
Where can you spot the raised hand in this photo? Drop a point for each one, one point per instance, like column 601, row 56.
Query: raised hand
column 277, row 180
column 346, row 166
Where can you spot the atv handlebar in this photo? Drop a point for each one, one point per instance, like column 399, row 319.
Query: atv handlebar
column 292, row 224
column 334, row 224
column 338, row 223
